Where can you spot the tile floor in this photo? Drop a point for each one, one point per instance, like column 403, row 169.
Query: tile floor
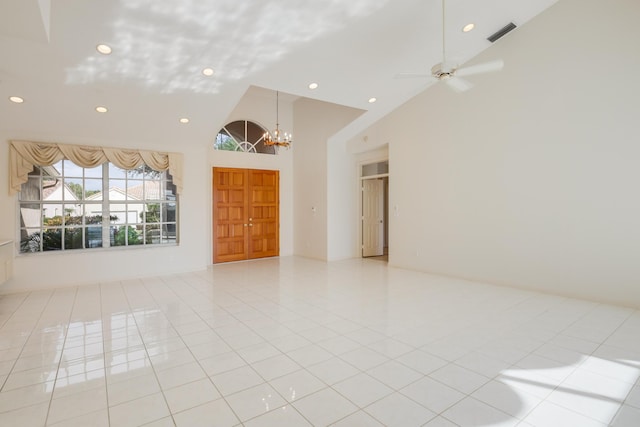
column 296, row 342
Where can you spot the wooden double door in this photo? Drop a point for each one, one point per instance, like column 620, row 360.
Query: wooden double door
column 246, row 214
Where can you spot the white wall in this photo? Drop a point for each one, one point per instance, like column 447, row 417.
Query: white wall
column 531, row 178
column 345, row 197
column 316, row 122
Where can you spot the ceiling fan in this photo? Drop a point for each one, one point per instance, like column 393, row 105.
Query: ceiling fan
column 449, row 73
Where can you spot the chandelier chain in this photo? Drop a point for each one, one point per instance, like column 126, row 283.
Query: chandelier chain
column 277, row 137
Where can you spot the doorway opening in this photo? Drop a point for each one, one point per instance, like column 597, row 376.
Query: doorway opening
column 374, row 179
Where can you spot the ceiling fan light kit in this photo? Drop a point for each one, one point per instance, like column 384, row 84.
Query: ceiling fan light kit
column 439, row 72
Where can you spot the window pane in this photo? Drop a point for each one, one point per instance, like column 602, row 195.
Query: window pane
column 73, row 238
column 93, row 214
column 117, row 189
column 254, row 132
column 72, row 214
column 168, row 233
column 30, row 227
column 30, row 190
column 73, row 189
column 152, row 174
column 170, row 188
column 52, row 239
column 30, row 240
column 137, row 172
column 135, row 214
column 93, row 189
column 30, row 216
column 375, row 168
column 116, row 172
column 152, row 234
column 169, row 212
column 152, row 213
column 52, row 214
column 71, row 170
column 53, row 170
column 48, row 212
column 118, row 213
column 125, row 235
column 93, row 172
column 115, row 237
column 135, row 190
column 93, row 237
column 225, row 142
column 136, row 235
column 52, row 189
column 236, row 130
column 153, row 190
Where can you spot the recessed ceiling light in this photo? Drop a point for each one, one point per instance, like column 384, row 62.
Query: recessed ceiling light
column 16, row 99
column 372, row 100
column 101, row 109
column 313, row 86
column 468, row 28
column 184, row 120
column 103, row 49
column 207, row 72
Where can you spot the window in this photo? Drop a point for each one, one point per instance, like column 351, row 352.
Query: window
column 373, row 169
column 243, row 135
column 66, row 207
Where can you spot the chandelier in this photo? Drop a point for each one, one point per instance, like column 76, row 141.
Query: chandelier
column 277, row 137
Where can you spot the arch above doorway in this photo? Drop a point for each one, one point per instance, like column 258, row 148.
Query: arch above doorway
column 243, row 135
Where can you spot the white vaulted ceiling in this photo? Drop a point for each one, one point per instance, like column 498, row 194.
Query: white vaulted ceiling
column 352, row 49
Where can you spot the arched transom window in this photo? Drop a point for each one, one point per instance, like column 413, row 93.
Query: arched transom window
column 243, row 135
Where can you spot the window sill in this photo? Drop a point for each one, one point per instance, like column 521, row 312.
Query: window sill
column 69, row 252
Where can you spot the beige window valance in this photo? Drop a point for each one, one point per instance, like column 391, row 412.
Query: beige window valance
column 24, row 155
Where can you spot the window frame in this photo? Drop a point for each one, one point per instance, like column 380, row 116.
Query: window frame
column 159, row 231
column 244, row 143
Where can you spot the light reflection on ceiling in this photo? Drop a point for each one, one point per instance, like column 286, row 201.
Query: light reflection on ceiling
column 165, row 47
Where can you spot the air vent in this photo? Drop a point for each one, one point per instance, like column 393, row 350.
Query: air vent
column 502, row 32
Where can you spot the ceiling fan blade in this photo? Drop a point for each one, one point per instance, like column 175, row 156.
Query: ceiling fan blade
column 485, row 67
column 411, row 75
column 458, row 84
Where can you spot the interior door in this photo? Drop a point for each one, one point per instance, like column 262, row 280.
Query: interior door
column 230, row 199
column 245, row 214
column 263, row 211
column 372, row 217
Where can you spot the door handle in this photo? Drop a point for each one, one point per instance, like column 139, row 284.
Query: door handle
column 245, row 225
column 250, row 225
